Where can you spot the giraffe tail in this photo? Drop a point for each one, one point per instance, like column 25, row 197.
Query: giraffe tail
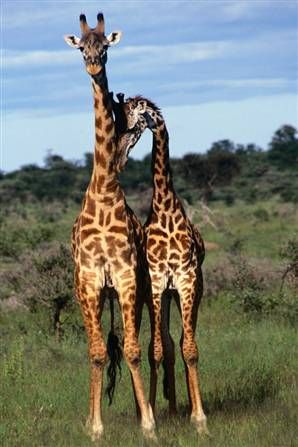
column 115, row 355
column 167, row 342
column 165, row 381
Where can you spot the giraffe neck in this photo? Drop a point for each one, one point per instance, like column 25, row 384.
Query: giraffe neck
column 104, row 176
column 161, row 170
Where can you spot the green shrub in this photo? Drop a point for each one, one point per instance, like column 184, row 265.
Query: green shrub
column 261, row 214
column 45, row 281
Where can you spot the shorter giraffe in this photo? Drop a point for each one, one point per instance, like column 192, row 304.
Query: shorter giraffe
column 175, row 252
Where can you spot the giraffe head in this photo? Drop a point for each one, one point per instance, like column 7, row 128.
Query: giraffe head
column 137, row 114
column 93, row 44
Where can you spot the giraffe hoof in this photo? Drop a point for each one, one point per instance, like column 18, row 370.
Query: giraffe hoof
column 201, row 426
column 148, row 426
column 149, row 434
column 95, row 432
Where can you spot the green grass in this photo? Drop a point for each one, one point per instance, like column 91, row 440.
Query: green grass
column 248, row 382
column 259, row 238
column 248, row 364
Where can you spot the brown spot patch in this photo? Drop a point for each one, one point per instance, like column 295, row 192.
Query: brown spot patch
column 98, row 122
column 177, row 218
column 168, row 204
column 100, row 159
column 86, row 220
column 101, row 217
column 126, row 255
column 110, row 146
column 85, row 258
column 158, row 232
column 119, row 213
column 163, row 220
column 90, row 206
column 150, row 243
column 88, row 232
column 99, row 139
column 100, row 182
column 159, row 182
column 182, row 226
column 109, row 127
column 173, row 244
column 118, row 229
column 108, row 219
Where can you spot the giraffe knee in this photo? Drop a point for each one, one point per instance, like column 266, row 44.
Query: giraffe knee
column 190, row 353
column 99, row 358
column 158, row 355
column 132, row 352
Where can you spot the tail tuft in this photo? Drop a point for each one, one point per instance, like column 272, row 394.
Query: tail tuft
column 115, row 355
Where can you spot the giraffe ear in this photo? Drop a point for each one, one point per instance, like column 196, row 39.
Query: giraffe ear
column 141, row 107
column 114, row 37
column 72, row 41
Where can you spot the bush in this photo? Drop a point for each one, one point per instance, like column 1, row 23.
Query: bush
column 14, row 240
column 261, row 214
column 45, row 281
column 252, row 289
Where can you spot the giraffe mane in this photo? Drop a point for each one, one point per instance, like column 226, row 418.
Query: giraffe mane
column 150, row 103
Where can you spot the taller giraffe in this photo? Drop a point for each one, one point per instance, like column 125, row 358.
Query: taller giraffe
column 175, row 252
column 104, row 238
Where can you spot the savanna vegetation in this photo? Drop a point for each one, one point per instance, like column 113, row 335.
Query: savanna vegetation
column 244, row 200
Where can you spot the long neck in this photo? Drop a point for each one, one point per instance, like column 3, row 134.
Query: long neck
column 104, row 174
column 161, row 171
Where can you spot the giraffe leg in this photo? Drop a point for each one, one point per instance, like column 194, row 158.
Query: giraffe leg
column 127, row 296
column 189, row 392
column 155, row 347
column 189, row 299
column 91, row 306
column 169, row 354
column 139, row 310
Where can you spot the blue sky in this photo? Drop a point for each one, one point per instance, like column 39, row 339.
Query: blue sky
column 218, row 69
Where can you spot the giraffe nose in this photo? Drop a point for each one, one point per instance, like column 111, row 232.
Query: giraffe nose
column 93, row 69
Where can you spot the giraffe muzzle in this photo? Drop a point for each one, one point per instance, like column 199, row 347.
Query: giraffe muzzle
column 93, row 69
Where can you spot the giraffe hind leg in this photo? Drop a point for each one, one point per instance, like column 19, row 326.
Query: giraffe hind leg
column 127, row 296
column 189, row 300
column 169, row 353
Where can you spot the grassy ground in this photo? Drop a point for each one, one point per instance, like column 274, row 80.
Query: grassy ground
column 247, row 373
column 248, row 366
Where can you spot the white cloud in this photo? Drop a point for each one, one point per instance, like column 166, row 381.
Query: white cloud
column 13, row 59
column 142, row 54
column 266, row 83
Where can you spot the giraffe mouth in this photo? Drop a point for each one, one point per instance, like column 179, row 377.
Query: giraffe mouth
column 93, row 69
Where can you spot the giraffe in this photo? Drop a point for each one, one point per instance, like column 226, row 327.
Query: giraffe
column 175, row 252
column 104, row 238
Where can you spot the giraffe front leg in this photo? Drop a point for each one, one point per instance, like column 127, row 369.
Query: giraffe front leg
column 127, row 297
column 91, row 307
column 189, row 306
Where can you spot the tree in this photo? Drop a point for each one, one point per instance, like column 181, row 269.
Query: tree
column 283, row 148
